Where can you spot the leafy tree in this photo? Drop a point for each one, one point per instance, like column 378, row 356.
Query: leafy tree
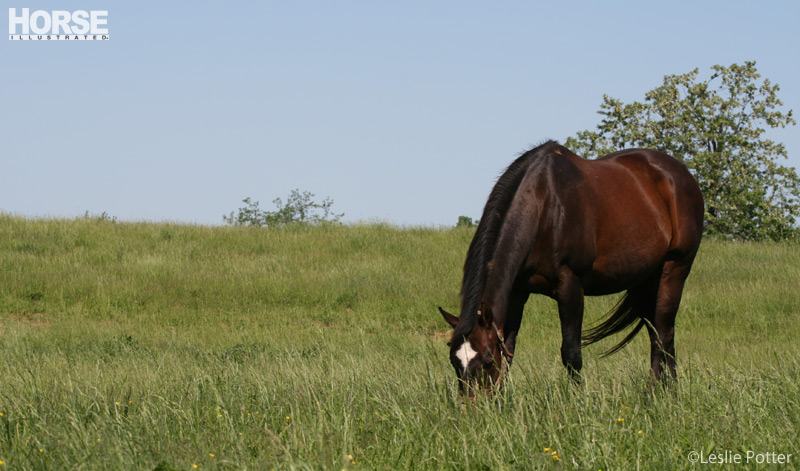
column 466, row 221
column 716, row 126
column 299, row 208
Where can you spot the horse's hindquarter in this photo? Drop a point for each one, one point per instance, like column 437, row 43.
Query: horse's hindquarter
column 631, row 204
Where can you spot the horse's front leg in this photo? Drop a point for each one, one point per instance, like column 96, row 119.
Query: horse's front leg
column 516, row 305
column 569, row 295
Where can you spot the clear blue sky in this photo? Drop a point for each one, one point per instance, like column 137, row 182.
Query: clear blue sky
column 403, row 112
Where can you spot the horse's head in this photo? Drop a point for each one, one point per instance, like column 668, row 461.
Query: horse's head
column 480, row 357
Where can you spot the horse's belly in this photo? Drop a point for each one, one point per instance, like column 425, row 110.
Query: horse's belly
column 624, row 268
column 599, row 285
column 631, row 243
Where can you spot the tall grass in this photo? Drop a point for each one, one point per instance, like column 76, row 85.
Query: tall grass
column 159, row 346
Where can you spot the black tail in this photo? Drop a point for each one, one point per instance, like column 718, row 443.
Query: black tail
column 634, row 306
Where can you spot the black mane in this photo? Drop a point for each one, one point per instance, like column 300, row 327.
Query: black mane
column 481, row 250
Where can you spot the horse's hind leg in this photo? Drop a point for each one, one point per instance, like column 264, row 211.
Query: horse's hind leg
column 569, row 295
column 662, row 330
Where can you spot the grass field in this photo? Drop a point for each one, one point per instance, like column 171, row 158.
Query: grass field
column 173, row 347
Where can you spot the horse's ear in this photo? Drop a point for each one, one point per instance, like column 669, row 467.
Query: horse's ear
column 449, row 318
column 485, row 315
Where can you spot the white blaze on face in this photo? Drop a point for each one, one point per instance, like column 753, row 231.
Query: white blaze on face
column 465, row 354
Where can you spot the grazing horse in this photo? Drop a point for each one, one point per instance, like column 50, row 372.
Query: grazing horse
column 565, row 227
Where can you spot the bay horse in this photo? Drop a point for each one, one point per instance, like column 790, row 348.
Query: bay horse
column 566, row 227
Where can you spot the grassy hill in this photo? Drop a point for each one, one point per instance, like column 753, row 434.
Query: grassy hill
column 162, row 346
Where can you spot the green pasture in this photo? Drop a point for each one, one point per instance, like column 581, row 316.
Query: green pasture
column 174, row 347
